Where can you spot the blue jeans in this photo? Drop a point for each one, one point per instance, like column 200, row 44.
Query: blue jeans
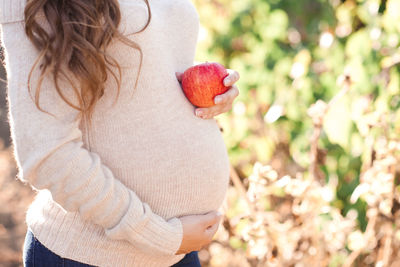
column 35, row 254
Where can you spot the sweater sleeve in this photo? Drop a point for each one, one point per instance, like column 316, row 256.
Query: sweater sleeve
column 50, row 155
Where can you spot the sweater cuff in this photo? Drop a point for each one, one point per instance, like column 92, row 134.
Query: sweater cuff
column 148, row 231
column 12, row 10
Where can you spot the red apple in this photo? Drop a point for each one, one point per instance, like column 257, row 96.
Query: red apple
column 201, row 83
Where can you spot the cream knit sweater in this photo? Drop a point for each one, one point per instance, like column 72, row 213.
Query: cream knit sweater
column 110, row 195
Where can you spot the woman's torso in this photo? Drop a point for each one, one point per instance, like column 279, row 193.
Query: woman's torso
column 151, row 136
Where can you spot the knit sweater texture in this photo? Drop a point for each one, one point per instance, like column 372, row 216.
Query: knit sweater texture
column 111, row 194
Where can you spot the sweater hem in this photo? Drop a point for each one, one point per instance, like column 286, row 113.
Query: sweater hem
column 68, row 236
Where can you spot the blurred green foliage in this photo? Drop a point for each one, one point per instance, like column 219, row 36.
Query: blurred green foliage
column 291, row 53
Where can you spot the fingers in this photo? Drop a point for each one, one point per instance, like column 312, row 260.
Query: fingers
column 212, row 227
column 198, row 230
column 211, row 230
column 233, row 76
column 208, row 113
column 179, row 76
column 212, row 218
column 224, row 101
column 228, row 96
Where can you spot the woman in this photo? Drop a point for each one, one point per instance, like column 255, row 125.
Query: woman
column 126, row 173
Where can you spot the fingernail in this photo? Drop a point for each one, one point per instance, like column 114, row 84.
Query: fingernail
column 227, row 81
column 217, row 100
column 219, row 213
column 199, row 113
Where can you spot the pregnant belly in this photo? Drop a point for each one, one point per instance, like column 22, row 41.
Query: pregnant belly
column 182, row 168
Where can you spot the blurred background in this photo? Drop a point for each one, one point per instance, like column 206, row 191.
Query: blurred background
column 14, row 196
column 313, row 138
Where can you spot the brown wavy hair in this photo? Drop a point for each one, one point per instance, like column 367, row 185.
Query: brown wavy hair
column 79, row 34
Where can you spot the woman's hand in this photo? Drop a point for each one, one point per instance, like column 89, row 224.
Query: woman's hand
column 198, row 231
column 223, row 102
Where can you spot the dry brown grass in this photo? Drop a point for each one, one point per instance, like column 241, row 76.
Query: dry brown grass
column 14, row 198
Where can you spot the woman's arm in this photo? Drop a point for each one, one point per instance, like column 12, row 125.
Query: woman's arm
column 50, row 155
